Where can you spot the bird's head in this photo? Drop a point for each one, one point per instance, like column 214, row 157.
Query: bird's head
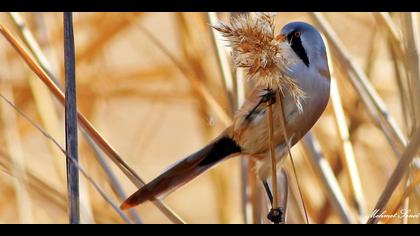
column 307, row 45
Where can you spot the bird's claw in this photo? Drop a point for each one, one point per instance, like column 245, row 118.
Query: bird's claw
column 276, row 215
column 268, row 97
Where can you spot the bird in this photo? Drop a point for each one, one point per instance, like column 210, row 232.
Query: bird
column 247, row 135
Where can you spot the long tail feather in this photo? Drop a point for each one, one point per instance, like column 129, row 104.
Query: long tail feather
column 185, row 170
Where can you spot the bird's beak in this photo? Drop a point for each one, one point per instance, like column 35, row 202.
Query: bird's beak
column 281, row 38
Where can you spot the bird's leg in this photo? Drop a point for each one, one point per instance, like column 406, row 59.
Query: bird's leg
column 268, row 191
column 269, row 96
column 276, row 214
column 248, row 116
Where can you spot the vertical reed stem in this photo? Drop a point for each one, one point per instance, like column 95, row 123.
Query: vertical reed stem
column 71, row 121
column 275, row 204
column 286, row 140
column 272, row 155
column 398, row 173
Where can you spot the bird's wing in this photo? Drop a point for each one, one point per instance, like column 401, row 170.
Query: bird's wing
column 250, row 127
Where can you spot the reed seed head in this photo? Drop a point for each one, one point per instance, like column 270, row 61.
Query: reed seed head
column 262, row 54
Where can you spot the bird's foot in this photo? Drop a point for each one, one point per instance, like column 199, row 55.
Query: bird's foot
column 276, row 215
column 269, row 96
column 268, row 191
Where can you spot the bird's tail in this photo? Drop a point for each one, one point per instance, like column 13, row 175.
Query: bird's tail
column 185, row 170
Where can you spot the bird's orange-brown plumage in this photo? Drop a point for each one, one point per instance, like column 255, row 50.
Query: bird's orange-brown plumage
column 249, row 132
column 247, row 135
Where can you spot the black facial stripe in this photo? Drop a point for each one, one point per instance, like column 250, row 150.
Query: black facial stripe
column 297, row 47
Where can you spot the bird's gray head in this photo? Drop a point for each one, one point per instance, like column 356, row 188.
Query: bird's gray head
column 307, row 44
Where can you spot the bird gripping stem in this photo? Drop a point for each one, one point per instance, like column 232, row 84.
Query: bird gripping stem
column 275, row 213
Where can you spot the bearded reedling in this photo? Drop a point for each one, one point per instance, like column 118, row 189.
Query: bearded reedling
column 292, row 65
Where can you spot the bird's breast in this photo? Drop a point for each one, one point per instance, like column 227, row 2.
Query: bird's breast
column 250, row 131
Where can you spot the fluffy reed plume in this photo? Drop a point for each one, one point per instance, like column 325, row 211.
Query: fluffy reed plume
column 262, row 54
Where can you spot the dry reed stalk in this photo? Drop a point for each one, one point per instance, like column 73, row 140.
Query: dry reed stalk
column 242, row 88
column 295, row 213
column 192, row 48
column 248, row 165
column 413, row 44
column 223, row 62
column 347, row 152
column 401, row 81
column 32, row 44
column 245, row 191
column 158, row 72
column 196, row 84
column 384, row 20
column 409, row 190
column 45, row 107
column 326, row 209
column 289, row 153
column 86, row 210
column 373, row 52
column 113, row 180
column 327, row 179
column 251, row 193
column 283, row 182
column 274, row 185
column 87, row 19
column 42, row 98
column 74, row 162
column 397, row 45
column 411, row 38
column 109, row 30
column 55, row 198
column 40, row 188
column 406, row 158
column 255, row 195
column 203, row 67
column 324, row 212
column 376, row 107
column 248, row 175
column 72, row 147
column 36, row 187
column 85, row 124
column 265, row 201
column 412, row 48
column 401, row 65
column 46, row 110
column 15, row 150
column 34, row 182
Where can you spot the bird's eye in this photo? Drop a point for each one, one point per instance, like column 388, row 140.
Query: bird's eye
column 295, row 41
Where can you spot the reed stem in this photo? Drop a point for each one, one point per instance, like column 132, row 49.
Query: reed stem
column 72, row 150
column 272, row 156
column 86, row 125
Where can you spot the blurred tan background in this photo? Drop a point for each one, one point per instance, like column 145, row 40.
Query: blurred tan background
column 142, row 103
